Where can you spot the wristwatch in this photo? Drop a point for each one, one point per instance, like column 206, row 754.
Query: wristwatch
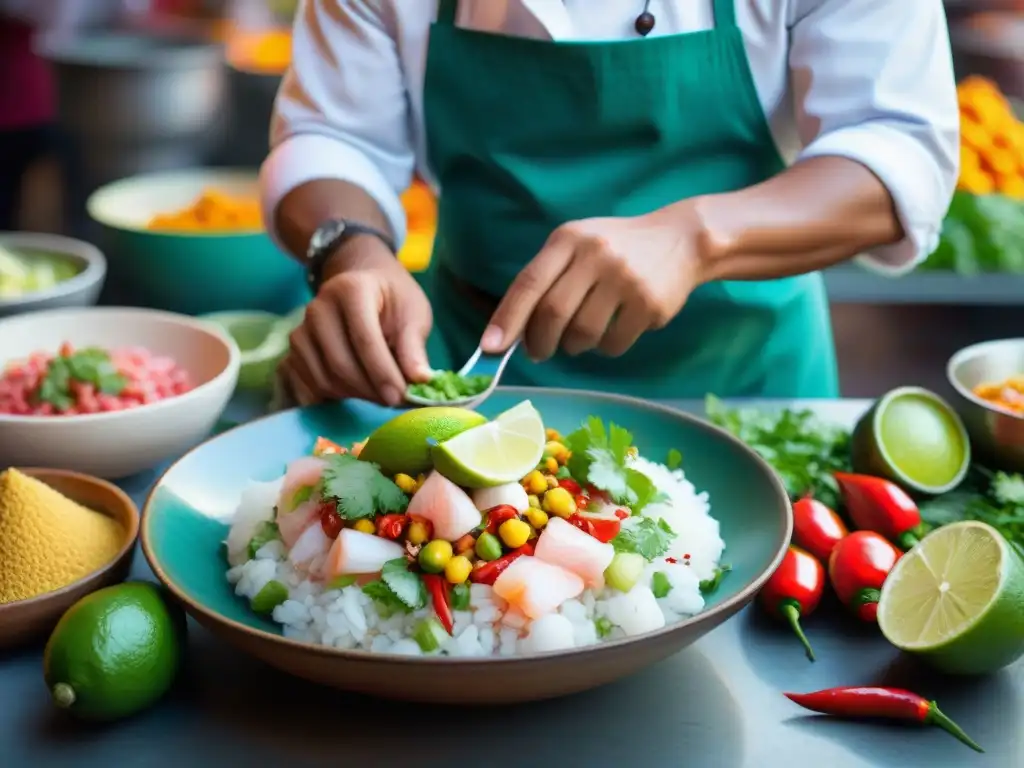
column 327, row 238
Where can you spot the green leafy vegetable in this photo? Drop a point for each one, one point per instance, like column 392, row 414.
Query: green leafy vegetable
column 708, row 586
column 265, row 532
column 359, row 488
column 993, row 498
column 381, row 594
column 660, row 584
column 407, row 586
column 267, row 599
column 91, row 366
column 448, row 385
column 603, row 626
column 460, row 597
column 646, row 537
column 674, row 459
column 980, row 234
column 342, row 581
column 803, row 450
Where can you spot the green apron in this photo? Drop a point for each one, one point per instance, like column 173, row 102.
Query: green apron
column 524, row 135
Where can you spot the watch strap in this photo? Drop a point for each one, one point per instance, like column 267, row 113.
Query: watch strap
column 316, row 258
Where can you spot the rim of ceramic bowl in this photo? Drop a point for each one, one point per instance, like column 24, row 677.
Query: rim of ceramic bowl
column 132, row 50
column 969, row 353
column 78, row 251
column 607, row 646
column 229, row 370
column 132, row 533
column 104, row 212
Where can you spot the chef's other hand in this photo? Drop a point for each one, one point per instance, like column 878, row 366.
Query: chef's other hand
column 364, row 334
column 599, row 284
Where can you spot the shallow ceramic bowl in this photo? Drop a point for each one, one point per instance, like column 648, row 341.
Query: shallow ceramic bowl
column 263, row 341
column 191, row 272
column 28, row 620
column 183, row 527
column 81, row 290
column 997, row 435
column 119, row 443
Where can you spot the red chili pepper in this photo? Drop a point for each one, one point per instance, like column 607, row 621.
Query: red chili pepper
column 582, row 501
column 438, row 589
column 392, row 526
column 330, row 521
column 858, row 568
column 597, row 493
column 570, row 485
column 582, row 523
column 601, row 529
column 794, row 590
column 817, row 528
column 875, row 504
column 498, row 515
column 489, row 572
column 887, row 703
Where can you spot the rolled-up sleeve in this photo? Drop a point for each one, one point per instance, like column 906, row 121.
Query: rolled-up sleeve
column 341, row 111
column 874, row 82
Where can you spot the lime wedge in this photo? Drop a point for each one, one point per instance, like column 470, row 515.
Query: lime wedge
column 957, row 600
column 914, row 438
column 403, row 444
column 499, row 452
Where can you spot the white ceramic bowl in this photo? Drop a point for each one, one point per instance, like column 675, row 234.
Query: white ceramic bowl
column 82, row 290
column 120, row 443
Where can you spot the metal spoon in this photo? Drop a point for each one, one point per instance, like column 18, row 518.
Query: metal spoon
column 480, row 363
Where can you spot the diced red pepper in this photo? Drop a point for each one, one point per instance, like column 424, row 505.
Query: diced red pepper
column 597, row 493
column 488, row 573
column 621, row 514
column 498, row 515
column 582, row 501
column 601, row 529
column 464, row 544
column 330, row 520
column 438, row 589
column 323, row 447
column 392, row 526
column 570, row 485
column 582, row 523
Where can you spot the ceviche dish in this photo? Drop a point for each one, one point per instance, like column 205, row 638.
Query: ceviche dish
column 446, row 533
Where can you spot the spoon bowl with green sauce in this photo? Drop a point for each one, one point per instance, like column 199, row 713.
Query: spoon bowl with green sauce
column 465, row 388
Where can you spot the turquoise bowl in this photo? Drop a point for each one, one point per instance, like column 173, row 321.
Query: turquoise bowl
column 183, row 527
column 190, row 272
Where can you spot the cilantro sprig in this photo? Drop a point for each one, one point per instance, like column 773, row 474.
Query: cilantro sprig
column 86, row 366
column 996, row 498
column 398, row 589
column 359, row 488
column 648, row 538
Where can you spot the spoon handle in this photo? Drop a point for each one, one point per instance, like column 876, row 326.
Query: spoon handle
column 485, row 364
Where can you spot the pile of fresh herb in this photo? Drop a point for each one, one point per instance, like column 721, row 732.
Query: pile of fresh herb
column 359, row 488
column 91, row 366
column 981, row 233
column 802, row 449
column 398, row 590
column 446, row 386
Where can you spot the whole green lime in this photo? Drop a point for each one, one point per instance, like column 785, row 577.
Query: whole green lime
column 404, row 443
column 114, row 652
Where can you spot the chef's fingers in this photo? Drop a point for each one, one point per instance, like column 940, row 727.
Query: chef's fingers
column 295, row 383
column 557, row 310
column 362, row 312
column 410, row 340
column 630, row 323
column 347, row 378
column 593, row 318
column 513, row 313
column 305, row 362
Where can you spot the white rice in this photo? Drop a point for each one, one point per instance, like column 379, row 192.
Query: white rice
column 348, row 619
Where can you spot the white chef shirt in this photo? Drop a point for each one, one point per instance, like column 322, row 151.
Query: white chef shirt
column 870, row 80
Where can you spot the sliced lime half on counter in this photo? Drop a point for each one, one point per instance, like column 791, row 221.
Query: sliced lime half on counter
column 914, row 438
column 957, row 600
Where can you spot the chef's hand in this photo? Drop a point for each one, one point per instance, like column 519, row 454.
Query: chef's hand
column 600, row 284
column 364, row 334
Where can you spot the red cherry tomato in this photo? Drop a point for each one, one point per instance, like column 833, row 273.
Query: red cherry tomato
column 858, row 568
column 330, row 521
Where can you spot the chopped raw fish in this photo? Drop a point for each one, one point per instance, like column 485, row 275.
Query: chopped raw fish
column 636, row 611
column 452, row 513
column 301, row 473
column 311, row 546
column 565, row 545
column 535, row 587
column 293, row 524
column 354, row 552
column 512, row 494
column 553, row 632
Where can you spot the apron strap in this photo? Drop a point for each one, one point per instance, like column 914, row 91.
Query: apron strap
column 725, row 13
column 446, row 11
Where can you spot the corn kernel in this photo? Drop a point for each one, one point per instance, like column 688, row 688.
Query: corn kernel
column 535, row 482
column 534, row 501
column 420, row 480
column 417, row 533
column 405, row 483
column 457, row 570
column 559, row 502
column 364, row 526
column 538, row 518
column 550, row 464
column 514, row 533
column 557, row 451
column 551, row 481
column 552, row 434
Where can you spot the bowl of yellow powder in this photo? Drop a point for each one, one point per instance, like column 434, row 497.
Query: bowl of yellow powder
column 63, row 535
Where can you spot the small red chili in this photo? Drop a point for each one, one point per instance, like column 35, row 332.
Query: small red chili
column 392, row 526
column 489, row 572
column 817, row 528
column 794, row 590
column 437, row 587
column 621, row 514
column 888, row 703
column 570, row 485
column 604, row 530
column 330, row 521
column 498, row 515
column 875, row 504
column 858, row 568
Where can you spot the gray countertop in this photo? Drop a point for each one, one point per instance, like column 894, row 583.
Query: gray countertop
column 716, row 704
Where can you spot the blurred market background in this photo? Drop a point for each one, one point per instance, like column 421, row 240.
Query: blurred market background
column 156, row 86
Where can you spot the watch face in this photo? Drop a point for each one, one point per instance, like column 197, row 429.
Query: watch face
column 325, row 236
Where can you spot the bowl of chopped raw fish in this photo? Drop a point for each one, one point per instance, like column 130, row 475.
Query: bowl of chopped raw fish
column 549, row 542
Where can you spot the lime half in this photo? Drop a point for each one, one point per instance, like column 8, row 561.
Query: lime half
column 403, row 444
column 957, row 600
column 914, row 438
column 501, row 451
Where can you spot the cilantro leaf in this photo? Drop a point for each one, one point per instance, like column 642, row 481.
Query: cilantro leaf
column 385, row 598
column 407, row 586
column 674, row 460
column 660, row 584
column 603, row 626
column 607, row 474
column 643, row 491
column 359, row 488
column 1008, row 489
column 644, row 536
column 708, row 586
column 88, row 366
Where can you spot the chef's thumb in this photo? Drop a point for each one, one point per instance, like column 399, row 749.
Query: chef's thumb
column 411, row 351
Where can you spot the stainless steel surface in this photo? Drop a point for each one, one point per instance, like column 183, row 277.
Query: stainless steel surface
column 133, row 104
column 717, row 704
column 996, row 435
column 82, row 290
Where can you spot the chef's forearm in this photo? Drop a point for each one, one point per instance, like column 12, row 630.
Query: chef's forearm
column 813, row 215
column 309, row 205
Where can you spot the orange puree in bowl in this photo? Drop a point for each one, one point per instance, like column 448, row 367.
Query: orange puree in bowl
column 1008, row 394
column 212, row 211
